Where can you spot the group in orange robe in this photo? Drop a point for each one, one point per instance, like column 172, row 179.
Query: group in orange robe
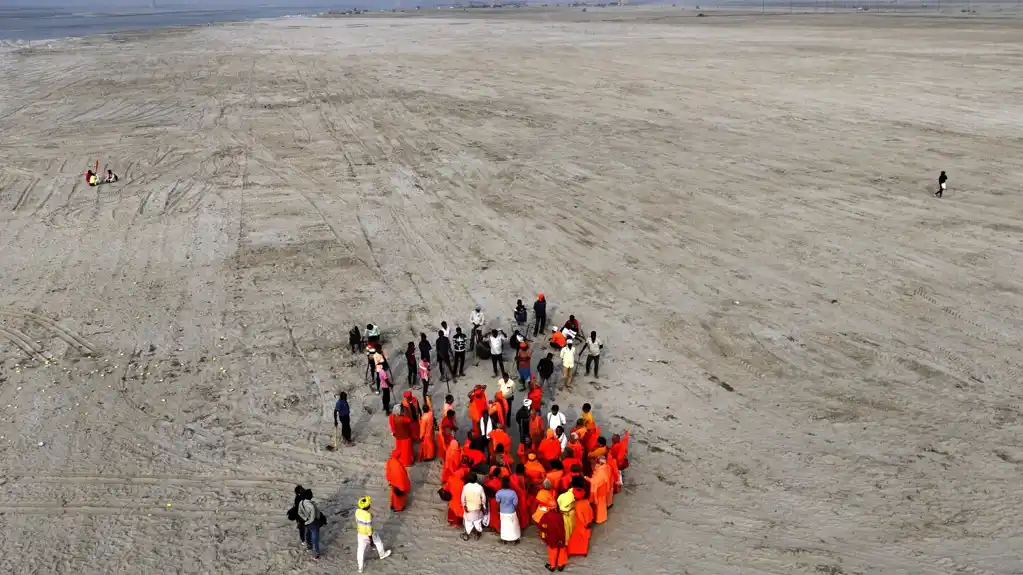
column 428, row 448
column 397, row 478
column 579, row 542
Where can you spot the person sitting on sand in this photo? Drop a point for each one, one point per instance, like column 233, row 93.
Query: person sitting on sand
column 111, row 177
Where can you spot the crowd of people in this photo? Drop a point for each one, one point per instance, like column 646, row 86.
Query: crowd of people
column 560, row 478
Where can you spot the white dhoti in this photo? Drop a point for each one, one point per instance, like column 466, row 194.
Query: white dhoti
column 942, row 184
column 473, row 520
column 364, row 543
column 510, row 530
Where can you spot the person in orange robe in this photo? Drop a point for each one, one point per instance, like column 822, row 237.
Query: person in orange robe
column 600, row 488
column 546, row 500
column 411, row 406
column 579, row 542
column 557, row 471
column 474, row 455
column 590, row 441
column 587, row 417
column 535, row 395
column 575, row 446
column 454, row 486
column 492, row 485
column 452, row 462
column 518, row 484
column 525, row 448
column 620, row 450
column 397, row 478
column 403, row 438
column 599, row 451
column 499, row 458
column 571, row 472
column 535, row 472
column 501, row 401
column 500, row 437
column 428, row 448
column 615, row 482
column 550, row 448
column 552, row 531
column 537, row 428
column 477, row 404
column 448, row 426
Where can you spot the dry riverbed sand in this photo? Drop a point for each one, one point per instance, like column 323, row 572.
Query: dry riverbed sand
column 819, row 361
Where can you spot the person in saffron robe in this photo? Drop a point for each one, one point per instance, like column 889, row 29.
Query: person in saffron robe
column 615, row 482
column 525, row 448
column 491, row 485
column 397, row 478
column 474, row 454
column 448, row 426
column 579, row 542
column 452, row 462
column 546, row 500
column 535, row 472
column 500, row 437
column 518, row 484
column 550, row 448
column 499, row 458
column 557, row 471
column 600, row 487
column 575, row 447
column 537, row 428
column 403, row 438
column 411, row 406
column 599, row 451
column 477, row 404
column 454, row 486
column 501, row 401
column 620, row 453
column 587, row 417
column 535, row 396
column 591, row 439
column 571, row 472
column 552, row 531
column 428, row 447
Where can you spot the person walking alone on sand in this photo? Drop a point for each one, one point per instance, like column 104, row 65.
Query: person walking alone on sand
column 293, row 512
column 593, row 346
column 941, row 184
column 539, row 315
column 459, row 342
column 366, row 535
column 342, row 414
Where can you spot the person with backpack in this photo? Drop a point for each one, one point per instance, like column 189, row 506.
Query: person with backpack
column 293, row 513
column 313, row 518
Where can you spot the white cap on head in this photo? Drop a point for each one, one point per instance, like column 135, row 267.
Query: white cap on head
column 568, row 342
column 527, row 402
column 554, row 329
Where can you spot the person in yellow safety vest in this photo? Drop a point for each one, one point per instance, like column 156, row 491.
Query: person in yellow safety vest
column 364, row 526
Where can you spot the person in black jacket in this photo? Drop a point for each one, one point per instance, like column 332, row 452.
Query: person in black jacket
column 444, row 356
column 545, row 368
column 539, row 315
column 520, row 314
column 522, row 418
column 424, row 347
column 411, row 363
column 941, row 184
column 459, row 342
column 355, row 339
column 342, row 415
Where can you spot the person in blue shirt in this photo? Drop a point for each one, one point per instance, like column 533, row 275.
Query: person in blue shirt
column 342, row 415
column 508, row 501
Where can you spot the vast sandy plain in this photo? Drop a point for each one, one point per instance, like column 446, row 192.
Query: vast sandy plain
column 818, row 361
